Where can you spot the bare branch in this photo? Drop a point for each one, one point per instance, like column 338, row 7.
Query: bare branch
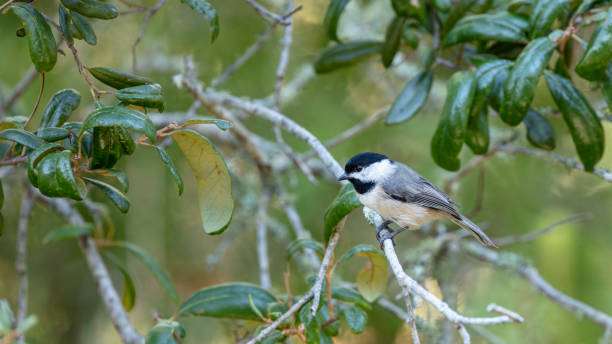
column 18, row 90
column 304, row 299
column 607, row 336
column 296, row 224
column 262, row 239
column 213, row 98
column 517, row 264
column 570, row 163
column 463, row 333
column 143, row 27
column 104, row 284
column 27, row 204
column 513, row 239
column 410, row 286
column 268, row 16
column 248, row 53
column 316, row 287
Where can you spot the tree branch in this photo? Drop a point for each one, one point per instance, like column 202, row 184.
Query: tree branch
column 18, row 90
column 268, row 16
column 262, row 239
column 520, row 266
column 513, row 239
column 104, row 284
column 27, row 204
column 145, row 20
column 304, row 299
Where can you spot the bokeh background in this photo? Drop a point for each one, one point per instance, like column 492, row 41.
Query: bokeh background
column 521, row 193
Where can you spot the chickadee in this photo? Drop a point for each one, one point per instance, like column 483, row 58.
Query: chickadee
column 401, row 195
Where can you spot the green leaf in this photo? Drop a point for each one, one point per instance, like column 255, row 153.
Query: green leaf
column 477, row 131
column 13, row 122
column 412, row 98
column 543, row 15
column 119, row 175
column 117, row 79
column 220, row 123
column 69, row 186
column 586, row 129
column 332, row 17
column 64, row 21
column 83, row 27
column 501, row 27
column 159, row 273
column 539, row 132
column 442, row 5
column 52, row 134
column 448, row 139
column 165, row 332
column 519, row 88
column 606, row 87
column 344, row 55
column 6, row 317
column 496, row 98
column 106, row 147
column 144, row 95
column 395, row 30
column 485, row 84
column 352, row 296
column 311, row 323
column 43, row 50
column 410, row 37
column 22, row 137
column 410, row 9
column 344, row 203
column 120, row 116
column 47, row 182
column 229, row 301
column 592, row 66
column 35, row 158
column 307, row 243
column 111, row 192
column 129, row 291
column 208, row 12
column 212, row 176
column 458, row 11
column 372, row 279
column 27, row 324
column 167, row 159
column 355, row 318
column 67, row 232
column 92, row 8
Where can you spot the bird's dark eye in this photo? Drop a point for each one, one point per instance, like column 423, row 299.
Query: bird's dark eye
column 359, row 168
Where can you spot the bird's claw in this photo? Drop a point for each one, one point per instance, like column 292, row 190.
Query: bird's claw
column 389, row 235
column 379, row 228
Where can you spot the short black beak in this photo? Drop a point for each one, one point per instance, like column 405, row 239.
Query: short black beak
column 343, row 177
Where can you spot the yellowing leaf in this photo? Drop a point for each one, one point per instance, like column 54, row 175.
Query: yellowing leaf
column 214, row 184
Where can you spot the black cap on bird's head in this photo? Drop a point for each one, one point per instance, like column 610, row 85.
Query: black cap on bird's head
column 360, row 161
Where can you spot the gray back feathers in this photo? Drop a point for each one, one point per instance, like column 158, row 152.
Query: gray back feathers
column 408, row 186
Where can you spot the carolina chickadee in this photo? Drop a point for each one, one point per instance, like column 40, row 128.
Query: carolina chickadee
column 401, row 195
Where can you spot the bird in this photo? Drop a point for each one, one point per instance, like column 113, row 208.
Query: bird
column 402, row 196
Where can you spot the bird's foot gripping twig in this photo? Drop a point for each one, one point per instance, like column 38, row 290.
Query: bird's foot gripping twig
column 390, row 234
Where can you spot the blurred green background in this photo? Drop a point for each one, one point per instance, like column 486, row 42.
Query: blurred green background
column 521, row 193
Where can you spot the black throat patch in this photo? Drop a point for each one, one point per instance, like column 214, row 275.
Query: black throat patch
column 360, row 186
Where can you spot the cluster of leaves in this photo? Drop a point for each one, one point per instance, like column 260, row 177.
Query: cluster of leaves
column 502, row 50
column 8, row 329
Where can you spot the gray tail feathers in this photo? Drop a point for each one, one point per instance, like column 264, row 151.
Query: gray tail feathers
column 471, row 227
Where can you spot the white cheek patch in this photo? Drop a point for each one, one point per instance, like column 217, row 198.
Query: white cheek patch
column 378, row 171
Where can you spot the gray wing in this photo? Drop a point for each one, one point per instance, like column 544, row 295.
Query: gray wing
column 408, row 186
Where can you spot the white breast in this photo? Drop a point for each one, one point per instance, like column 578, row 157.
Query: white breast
column 403, row 214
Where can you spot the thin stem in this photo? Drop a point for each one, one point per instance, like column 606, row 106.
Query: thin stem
column 42, row 88
column 262, row 240
column 145, row 21
column 27, row 204
column 513, row 239
column 18, row 90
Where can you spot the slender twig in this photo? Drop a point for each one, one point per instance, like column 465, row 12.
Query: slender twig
column 81, row 68
column 18, row 90
column 325, row 264
column 268, row 16
column 464, row 334
column 519, row 265
column 296, row 223
column 15, row 161
column 143, row 27
column 27, row 203
column 304, row 299
column 262, row 239
column 513, row 239
column 246, row 56
column 40, row 93
column 568, row 162
column 607, row 336
column 104, row 284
